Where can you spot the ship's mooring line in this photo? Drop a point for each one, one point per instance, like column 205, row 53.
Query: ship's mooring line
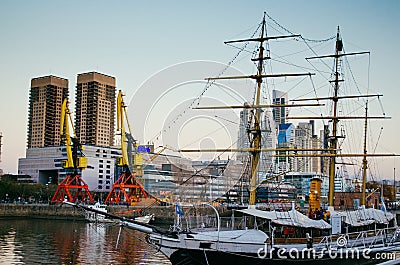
column 119, row 235
column 205, row 255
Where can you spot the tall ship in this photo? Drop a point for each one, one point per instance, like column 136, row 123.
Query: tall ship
column 280, row 236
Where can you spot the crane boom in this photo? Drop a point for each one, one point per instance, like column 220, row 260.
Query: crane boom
column 123, row 161
column 71, row 142
column 65, row 135
column 122, row 117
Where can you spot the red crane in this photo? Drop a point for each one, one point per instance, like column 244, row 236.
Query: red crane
column 126, row 188
column 72, row 188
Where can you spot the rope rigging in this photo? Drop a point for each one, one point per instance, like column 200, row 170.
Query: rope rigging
column 290, row 32
column 196, row 101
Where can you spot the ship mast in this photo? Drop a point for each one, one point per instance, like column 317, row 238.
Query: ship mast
column 334, row 139
column 364, row 161
column 255, row 130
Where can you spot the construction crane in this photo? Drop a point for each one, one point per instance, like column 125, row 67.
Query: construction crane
column 126, row 188
column 72, row 188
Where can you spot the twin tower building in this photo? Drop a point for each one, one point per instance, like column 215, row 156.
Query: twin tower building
column 94, row 109
column 94, row 120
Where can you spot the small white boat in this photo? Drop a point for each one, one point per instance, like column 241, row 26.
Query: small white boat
column 145, row 219
column 95, row 217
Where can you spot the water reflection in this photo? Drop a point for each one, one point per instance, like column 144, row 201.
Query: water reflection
column 33, row 241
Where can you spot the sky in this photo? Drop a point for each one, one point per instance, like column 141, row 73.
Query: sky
column 167, row 48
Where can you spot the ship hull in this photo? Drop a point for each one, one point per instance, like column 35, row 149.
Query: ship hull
column 206, row 257
column 249, row 246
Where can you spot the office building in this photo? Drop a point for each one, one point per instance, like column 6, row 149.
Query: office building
column 44, row 165
column 243, row 137
column 305, row 138
column 285, row 140
column 267, row 140
column 279, row 113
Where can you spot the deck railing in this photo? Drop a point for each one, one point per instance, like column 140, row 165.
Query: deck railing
column 364, row 239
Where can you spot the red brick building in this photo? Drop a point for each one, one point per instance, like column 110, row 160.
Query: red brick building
column 350, row 200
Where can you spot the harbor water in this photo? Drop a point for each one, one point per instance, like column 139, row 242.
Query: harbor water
column 42, row 241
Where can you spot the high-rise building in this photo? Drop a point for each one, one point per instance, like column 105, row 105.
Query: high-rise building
column 316, row 161
column 325, row 161
column 243, row 138
column 279, row 113
column 267, row 140
column 286, row 139
column 45, row 100
column 305, row 138
column 95, row 109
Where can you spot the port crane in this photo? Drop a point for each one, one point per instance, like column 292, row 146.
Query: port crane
column 126, row 188
column 72, row 188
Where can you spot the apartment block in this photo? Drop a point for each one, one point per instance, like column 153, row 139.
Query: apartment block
column 95, row 109
column 45, row 100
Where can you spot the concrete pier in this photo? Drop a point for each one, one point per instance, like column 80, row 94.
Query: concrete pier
column 163, row 214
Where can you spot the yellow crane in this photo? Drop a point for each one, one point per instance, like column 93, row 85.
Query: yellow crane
column 126, row 188
column 72, row 144
column 72, row 188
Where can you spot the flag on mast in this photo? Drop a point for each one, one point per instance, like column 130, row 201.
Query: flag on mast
column 178, row 209
column 383, row 208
